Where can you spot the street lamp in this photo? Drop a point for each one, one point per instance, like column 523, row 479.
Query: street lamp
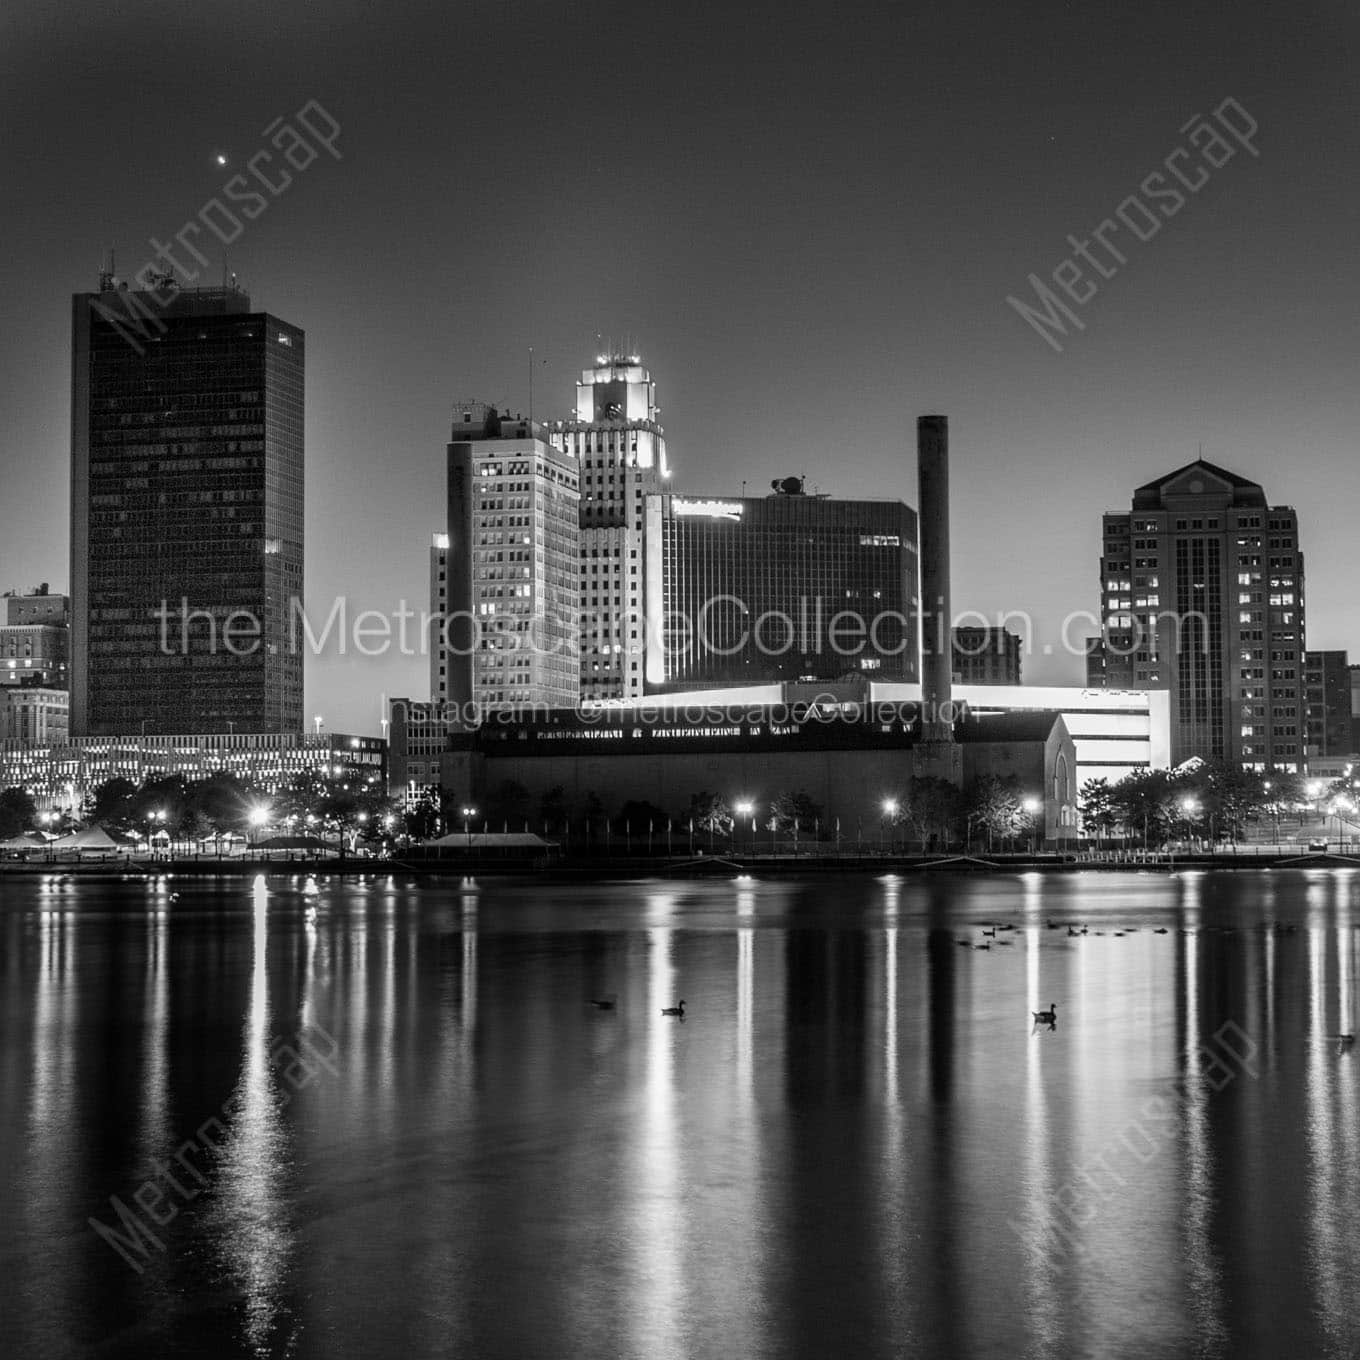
column 1032, row 806
column 1189, row 806
column 259, row 818
column 468, row 814
column 890, row 814
column 746, row 808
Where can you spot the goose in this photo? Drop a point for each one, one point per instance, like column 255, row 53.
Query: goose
column 607, row 1004
column 1161, row 930
column 678, row 1009
column 967, row 944
column 982, row 946
column 1052, row 925
column 1048, row 1017
column 991, row 932
column 1005, row 942
column 1072, row 931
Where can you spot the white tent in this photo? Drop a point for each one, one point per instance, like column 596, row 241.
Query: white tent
column 92, row 840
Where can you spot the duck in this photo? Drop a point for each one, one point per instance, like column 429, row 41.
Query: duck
column 982, row 946
column 607, row 1004
column 967, row 944
column 1052, row 925
column 1072, row 931
column 1048, row 1017
column 991, row 932
column 677, row 1009
column 1161, row 930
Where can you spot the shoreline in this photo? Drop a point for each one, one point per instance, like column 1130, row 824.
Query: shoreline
column 717, row 865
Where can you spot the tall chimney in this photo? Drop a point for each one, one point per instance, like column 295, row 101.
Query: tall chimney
column 937, row 657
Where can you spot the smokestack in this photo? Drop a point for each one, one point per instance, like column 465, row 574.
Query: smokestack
column 937, row 658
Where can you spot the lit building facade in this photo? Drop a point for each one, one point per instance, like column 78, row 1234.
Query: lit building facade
column 771, row 589
column 510, row 557
column 1327, row 687
column 620, row 448
column 986, row 656
column 35, row 639
column 61, row 775
column 34, row 713
column 186, row 513
column 1203, row 594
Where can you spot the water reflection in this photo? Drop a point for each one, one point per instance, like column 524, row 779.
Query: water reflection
column 856, row 1142
column 252, row 1230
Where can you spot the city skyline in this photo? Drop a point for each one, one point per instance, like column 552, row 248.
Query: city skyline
column 800, row 281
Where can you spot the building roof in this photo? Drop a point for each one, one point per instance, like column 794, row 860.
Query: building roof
column 1150, row 493
column 1023, row 725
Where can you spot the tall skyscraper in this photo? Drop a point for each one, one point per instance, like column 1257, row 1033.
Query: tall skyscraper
column 186, row 513
column 512, row 566
column 1202, row 593
column 620, row 448
column 786, row 587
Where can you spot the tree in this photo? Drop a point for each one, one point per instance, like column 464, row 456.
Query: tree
column 112, row 803
column 931, row 808
column 18, row 812
column 1098, row 815
column 1144, row 801
column 993, row 805
column 637, row 818
column 794, row 812
column 709, row 812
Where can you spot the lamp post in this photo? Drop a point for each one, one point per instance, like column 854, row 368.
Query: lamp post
column 1189, row 806
column 259, row 818
column 746, row 808
column 1032, row 806
column 890, row 806
column 468, row 814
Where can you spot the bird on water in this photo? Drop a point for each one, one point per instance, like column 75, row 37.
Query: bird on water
column 677, row 1009
column 1048, row 1017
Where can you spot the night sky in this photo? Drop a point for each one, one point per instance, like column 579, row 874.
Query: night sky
column 806, row 222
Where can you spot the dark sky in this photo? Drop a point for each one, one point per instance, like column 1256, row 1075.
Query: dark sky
column 808, row 221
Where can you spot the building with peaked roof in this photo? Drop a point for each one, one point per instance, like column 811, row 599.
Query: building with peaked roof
column 1202, row 595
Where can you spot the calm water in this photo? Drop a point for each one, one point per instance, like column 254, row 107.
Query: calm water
column 402, row 1130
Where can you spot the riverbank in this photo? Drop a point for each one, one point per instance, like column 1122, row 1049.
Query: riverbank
column 608, row 866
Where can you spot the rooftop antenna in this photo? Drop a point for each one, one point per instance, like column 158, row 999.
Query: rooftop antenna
column 531, row 389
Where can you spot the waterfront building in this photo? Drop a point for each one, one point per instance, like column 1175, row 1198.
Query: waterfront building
column 35, row 639
column 781, row 588
column 61, row 775
column 619, row 446
column 986, row 656
column 34, row 713
column 186, row 512
column 1327, row 687
column 508, row 631
column 1202, row 593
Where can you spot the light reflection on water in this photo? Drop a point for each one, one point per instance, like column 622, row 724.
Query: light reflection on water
column 856, row 1140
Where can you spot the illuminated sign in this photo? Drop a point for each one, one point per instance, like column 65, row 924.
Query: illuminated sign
column 707, row 509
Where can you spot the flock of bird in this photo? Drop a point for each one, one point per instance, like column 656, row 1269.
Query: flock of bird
column 611, row 1002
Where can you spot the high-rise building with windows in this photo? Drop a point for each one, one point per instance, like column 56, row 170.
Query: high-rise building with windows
column 512, row 567
column 755, row 590
column 1202, row 593
column 35, row 639
column 186, row 513
column 620, row 448
column 1327, row 688
column 986, row 656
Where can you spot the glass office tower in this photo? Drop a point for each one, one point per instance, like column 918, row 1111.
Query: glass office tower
column 186, row 513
